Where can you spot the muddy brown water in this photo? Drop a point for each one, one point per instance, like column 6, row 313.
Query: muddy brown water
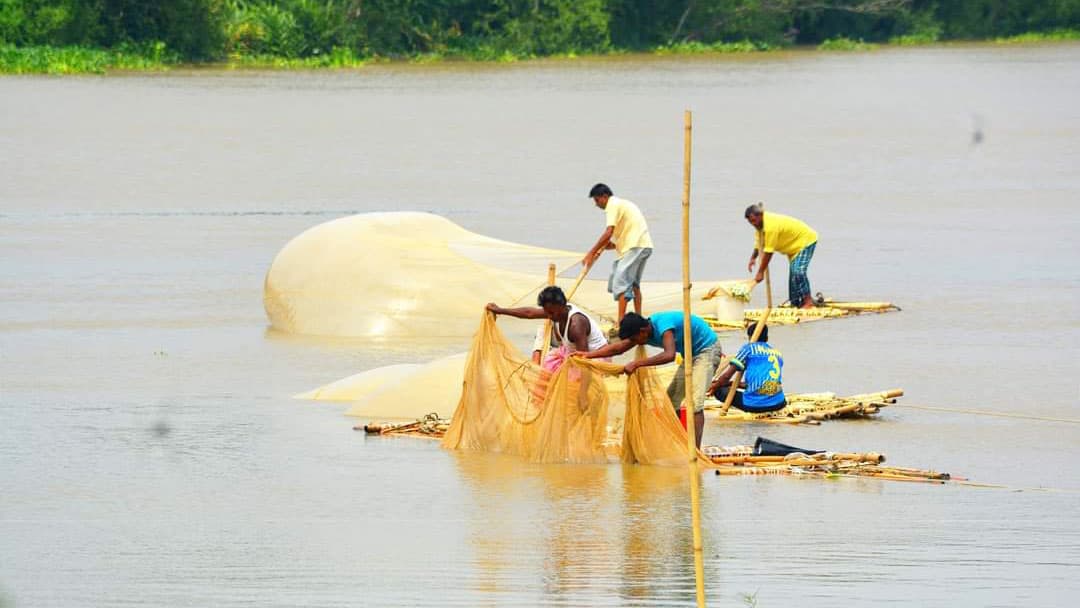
column 150, row 454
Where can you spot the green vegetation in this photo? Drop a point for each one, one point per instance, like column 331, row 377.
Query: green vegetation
column 845, row 44
column 81, row 60
column 693, row 47
column 1030, row 37
column 63, row 36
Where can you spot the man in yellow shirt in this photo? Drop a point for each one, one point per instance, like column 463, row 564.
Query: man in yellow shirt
column 791, row 237
column 628, row 234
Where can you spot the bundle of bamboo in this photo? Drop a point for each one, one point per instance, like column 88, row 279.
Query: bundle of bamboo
column 812, row 408
column 824, row 465
column 430, row 426
column 788, row 315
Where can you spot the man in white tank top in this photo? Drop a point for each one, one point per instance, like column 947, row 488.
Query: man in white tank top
column 571, row 329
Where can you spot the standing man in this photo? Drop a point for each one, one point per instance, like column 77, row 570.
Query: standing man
column 790, row 237
column 628, row 234
column 667, row 331
column 762, row 367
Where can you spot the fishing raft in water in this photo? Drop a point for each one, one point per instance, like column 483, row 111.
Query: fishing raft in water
column 789, row 315
column 765, row 457
column 811, row 408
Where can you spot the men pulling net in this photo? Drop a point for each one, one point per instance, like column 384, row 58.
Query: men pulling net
column 508, row 405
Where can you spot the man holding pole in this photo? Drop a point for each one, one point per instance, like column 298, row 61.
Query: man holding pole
column 667, row 330
column 762, row 367
column 789, row 236
column 628, row 234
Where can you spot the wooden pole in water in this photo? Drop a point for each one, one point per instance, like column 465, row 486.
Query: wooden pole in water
column 688, row 371
column 547, row 324
column 757, row 328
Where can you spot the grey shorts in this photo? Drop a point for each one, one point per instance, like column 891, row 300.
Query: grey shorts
column 626, row 272
column 705, row 364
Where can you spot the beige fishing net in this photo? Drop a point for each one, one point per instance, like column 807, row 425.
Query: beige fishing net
column 508, row 404
column 417, row 275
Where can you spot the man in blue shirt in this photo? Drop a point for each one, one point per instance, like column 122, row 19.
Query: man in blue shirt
column 666, row 330
column 762, row 367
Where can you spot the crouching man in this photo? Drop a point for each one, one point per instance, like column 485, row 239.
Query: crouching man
column 762, row 367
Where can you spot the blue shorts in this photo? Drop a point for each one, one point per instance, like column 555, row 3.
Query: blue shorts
column 626, row 272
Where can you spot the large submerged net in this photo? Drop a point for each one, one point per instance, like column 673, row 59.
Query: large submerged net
column 406, row 274
column 509, row 404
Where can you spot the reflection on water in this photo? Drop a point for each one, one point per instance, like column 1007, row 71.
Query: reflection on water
column 151, row 455
column 583, row 529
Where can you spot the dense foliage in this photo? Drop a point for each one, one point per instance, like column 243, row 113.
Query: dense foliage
column 200, row 30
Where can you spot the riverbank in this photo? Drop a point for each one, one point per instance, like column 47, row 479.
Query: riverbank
column 155, row 58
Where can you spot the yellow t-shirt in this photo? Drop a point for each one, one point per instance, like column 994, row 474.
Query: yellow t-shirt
column 785, row 234
column 630, row 227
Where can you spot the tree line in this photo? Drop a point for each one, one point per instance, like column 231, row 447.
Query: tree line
column 209, row 30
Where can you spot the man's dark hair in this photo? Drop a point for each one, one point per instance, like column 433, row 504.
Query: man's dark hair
column 764, row 337
column 551, row 294
column 752, row 210
column 600, row 190
column 631, row 324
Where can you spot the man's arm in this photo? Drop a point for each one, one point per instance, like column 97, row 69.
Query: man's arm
column 598, row 248
column 765, row 258
column 753, row 258
column 722, row 380
column 578, row 333
column 666, row 356
column 521, row 313
column 611, row 350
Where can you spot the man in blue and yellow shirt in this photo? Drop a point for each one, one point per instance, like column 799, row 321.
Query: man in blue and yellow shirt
column 762, row 367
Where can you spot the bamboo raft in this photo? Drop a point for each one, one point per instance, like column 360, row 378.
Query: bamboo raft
column 736, row 460
column 811, row 408
column 430, row 426
column 807, row 408
column 789, row 315
column 741, row 461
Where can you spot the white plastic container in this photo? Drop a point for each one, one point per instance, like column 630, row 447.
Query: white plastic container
column 729, row 309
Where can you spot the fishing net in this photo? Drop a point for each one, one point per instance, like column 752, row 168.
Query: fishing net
column 406, row 274
column 509, row 404
column 407, row 390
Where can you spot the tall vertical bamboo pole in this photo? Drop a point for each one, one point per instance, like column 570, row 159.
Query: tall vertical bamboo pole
column 547, row 324
column 688, row 371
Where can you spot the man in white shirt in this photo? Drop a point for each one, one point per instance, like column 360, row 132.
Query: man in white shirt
column 628, row 234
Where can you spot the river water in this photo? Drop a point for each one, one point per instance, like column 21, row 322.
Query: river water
column 150, row 454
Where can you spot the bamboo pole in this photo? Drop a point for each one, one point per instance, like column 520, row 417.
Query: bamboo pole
column 581, row 277
column 757, row 328
column 688, row 371
column 547, row 324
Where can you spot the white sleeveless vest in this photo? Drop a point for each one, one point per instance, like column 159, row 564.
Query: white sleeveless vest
column 597, row 339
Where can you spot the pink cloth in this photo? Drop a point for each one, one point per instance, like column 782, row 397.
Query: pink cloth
column 555, row 359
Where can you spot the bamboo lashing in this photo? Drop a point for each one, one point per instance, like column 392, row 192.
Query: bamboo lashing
column 547, row 323
column 688, row 371
column 760, row 324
